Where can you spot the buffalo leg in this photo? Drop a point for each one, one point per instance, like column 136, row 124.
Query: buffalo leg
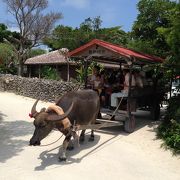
column 81, row 139
column 70, row 145
column 82, row 136
column 65, row 145
column 92, row 136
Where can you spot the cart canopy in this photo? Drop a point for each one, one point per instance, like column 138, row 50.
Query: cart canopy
column 110, row 53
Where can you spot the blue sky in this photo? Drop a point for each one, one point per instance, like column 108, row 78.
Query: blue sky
column 112, row 12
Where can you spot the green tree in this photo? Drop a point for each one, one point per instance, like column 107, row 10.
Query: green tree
column 61, row 37
column 152, row 15
column 172, row 36
column 33, row 25
column 97, row 23
column 65, row 36
column 87, row 25
column 7, row 59
column 113, row 35
column 36, row 52
column 4, row 33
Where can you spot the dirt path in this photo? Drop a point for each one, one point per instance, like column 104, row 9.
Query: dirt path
column 113, row 155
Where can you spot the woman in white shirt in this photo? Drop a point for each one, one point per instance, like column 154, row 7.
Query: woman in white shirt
column 124, row 92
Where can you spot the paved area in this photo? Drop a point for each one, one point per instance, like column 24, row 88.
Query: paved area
column 113, row 155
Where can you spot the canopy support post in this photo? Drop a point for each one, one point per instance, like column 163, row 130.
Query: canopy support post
column 86, row 62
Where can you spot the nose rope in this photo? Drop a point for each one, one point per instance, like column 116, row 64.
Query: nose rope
column 72, row 132
column 52, row 142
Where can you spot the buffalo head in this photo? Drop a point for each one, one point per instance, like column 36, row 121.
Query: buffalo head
column 44, row 122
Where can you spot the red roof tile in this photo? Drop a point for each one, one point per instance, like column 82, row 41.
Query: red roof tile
column 117, row 49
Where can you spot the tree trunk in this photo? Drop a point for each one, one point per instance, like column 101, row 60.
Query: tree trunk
column 20, row 68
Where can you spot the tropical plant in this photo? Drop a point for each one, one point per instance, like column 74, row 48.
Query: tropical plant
column 81, row 73
column 169, row 130
column 49, row 73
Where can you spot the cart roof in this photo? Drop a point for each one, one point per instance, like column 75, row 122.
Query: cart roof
column 110, row 53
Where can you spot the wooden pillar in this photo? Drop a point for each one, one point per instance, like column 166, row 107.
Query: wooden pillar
column 68, row 77
column 29, row 70
column 129, row 88
column 130, row 121
column 86, row 63
column 39, row 71
column 56, row 66
column 86, row 71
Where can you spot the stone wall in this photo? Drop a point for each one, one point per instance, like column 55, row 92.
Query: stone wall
column 48, row 90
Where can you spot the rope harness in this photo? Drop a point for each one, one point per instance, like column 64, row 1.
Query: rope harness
column 72, row 131
column 52, row 142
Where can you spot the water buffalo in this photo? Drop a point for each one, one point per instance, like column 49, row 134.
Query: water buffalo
column 80, row 107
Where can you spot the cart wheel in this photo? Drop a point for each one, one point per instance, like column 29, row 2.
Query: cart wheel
column 155, row 112
column 129, row 124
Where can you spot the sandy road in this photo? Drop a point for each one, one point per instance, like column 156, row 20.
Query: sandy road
column 113, row 155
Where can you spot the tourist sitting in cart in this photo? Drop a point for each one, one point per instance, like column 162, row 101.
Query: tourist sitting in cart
column 124, row 91
column 96, row 82
column 92, row 77
column 139, row 79
column 98, row 85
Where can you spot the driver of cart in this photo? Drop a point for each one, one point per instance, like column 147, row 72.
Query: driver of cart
column 97, row 86
column 96, row 82
column 124, row 92
column 138, row 78
column 93, row 77
column 117, row 84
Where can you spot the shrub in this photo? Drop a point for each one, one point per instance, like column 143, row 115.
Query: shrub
column 169, row 130
column 49, row 73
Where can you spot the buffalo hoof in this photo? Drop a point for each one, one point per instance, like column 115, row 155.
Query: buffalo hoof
column 81, row 139
column 91, row 138
column 62, row 159
column 70, row 148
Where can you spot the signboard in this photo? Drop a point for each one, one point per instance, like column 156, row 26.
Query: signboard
column 96, row 50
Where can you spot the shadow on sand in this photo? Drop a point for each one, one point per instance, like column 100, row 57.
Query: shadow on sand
column 49, row 158
column 11, row 133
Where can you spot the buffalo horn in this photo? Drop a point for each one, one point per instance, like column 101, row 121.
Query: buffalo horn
column 60, row 117
column 33, row 110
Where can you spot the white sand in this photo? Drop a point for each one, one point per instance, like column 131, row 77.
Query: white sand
column 114, row 155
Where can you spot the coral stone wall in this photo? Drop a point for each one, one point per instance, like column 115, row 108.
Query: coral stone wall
column 48, row 90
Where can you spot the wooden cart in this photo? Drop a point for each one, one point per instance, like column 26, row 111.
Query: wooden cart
column 110, row 54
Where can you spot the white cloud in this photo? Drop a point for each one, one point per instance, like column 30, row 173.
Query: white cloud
column 79, row 4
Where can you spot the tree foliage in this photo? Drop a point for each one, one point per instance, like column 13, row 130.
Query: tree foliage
column 4, row 33
column 36, row 52
column 169, row 130
column 71, row 38
column 7, row 59
column 152, row 15
column 172, row 37
column 32, row 23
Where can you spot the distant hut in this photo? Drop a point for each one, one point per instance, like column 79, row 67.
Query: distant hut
column 65, row 68
column 53, row 59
